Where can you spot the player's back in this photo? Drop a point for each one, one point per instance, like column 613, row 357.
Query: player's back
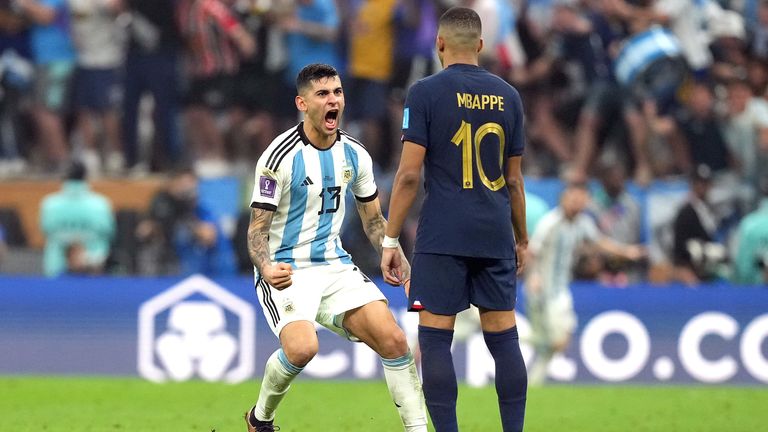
column 471, row 122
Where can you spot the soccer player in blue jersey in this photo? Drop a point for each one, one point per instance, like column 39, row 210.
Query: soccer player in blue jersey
column 303, row 275
column 465, row 126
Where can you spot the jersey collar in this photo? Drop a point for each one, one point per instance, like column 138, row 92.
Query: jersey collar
column 306, row 140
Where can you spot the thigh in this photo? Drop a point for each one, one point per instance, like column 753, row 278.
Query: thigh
column 350, row 289
column 374, row 324
column 439, row 284
column 493, row 284
column 299, row 302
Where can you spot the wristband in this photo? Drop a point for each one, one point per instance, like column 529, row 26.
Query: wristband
column 390, row 242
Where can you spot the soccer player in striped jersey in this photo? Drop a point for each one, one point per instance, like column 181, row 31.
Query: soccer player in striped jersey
column 464, row 125
column 553, row 248
column 303, row 274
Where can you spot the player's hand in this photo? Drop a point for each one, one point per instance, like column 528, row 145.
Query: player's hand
column 392, row 266
column 522, row 255
column 278, row 275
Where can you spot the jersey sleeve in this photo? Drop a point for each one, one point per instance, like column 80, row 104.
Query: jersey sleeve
column 516, row 139
column 268, row 186
column 415, row 116
column 589, row 228
column 364, row 186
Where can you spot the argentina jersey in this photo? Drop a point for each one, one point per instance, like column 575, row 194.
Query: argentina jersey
column 305, row 187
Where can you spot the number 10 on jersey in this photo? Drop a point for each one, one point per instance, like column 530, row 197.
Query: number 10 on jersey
column 464, row 139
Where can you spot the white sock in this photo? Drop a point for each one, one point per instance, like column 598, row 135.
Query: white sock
column 405, row 387
column 278, row 375
column 538, row 372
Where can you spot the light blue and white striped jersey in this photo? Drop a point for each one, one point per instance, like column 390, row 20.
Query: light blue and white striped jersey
column 305, row 187
column 554, row 244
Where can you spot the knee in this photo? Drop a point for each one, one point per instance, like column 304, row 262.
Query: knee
column 300, row 354
column 394, row 345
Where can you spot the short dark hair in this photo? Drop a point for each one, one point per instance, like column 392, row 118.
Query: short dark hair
column 76, row 170
column 314, row 72
column 462, row 18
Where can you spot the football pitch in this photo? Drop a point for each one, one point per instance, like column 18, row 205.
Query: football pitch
column 133, row 405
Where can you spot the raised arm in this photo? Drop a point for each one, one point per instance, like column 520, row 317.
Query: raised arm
column 278, row 275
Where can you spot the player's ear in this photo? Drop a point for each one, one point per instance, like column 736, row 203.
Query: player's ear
column 301, row 104
column 480, row 45
column 440, row 44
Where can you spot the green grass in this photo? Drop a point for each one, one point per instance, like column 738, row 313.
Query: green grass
column 111, row 404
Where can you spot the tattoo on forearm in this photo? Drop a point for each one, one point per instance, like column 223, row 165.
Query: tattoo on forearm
column 258, row 238
column 374, row 224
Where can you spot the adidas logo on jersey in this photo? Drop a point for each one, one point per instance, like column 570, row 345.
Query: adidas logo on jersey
column 307, row 181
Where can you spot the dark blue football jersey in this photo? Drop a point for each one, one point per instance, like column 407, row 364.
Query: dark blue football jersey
column 470, row 122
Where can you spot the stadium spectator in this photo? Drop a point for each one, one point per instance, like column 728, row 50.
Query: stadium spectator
column 466, row 252
column 215, row 41
column 3, row 245
column 180, row 235
column 553, row 254
column 99, row 41
column 76, row 215
column 151, row 67
column 369, row 72
column 618, row 216
column 300, row 262
column 311, row 32
column 415, row 30
column 15, row 82
column 751, row 257
column 746, row 134
column 695, row 252
column 54, row 57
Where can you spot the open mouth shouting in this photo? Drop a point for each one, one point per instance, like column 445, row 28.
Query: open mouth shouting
column 332, row 119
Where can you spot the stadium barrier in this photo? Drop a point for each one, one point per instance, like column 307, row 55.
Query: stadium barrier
column 195, row 328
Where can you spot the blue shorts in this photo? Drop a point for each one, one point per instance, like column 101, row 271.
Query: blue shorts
column 447, row 284
column 97, row 89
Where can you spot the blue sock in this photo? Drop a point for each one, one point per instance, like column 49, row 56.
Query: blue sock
column 511, row 377
column 439, row 376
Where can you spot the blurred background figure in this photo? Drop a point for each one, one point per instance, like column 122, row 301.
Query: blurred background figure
column 553, row 250
column 151, row 68
column 180, row 236
column 99, row 40
column 53, row 54
column 76, row 221
column 215, row 41
column 16, row 76
column 696, row 253
column 751, row 256
column 370, row 64
column 618, row 215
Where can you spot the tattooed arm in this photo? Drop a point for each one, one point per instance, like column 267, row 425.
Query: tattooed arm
column 374, row 226
column 278, row 275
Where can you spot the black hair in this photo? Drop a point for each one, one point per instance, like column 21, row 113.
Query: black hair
column 462, row 18
column 76, row 170
column 314, row 72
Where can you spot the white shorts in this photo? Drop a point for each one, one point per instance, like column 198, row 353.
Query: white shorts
column 321, row 294
column 553, row 320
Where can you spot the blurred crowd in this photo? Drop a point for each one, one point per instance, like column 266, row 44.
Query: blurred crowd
column 617, row 92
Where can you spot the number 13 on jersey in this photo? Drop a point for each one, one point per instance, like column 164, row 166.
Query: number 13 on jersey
column 464, row 139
